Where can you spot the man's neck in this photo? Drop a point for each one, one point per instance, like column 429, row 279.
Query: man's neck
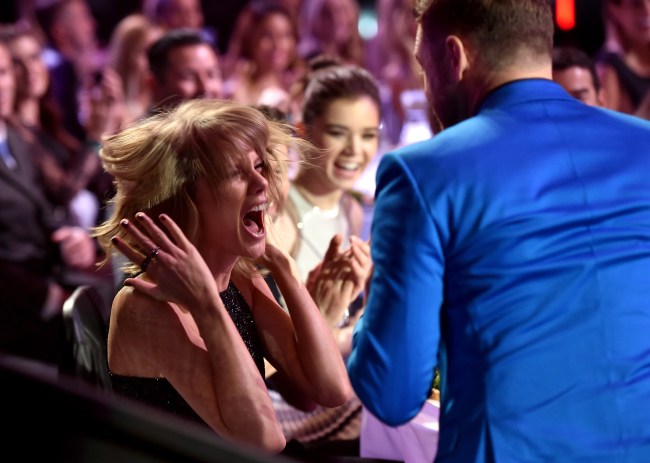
column 491, row 80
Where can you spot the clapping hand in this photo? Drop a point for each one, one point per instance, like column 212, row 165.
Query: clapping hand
column 339, row 279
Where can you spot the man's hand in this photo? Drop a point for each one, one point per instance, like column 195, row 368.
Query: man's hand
column 76, row 245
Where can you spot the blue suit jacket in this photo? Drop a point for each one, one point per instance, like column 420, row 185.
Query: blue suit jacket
column 513, row 251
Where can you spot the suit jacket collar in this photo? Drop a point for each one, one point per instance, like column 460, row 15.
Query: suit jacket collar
column 522, row 91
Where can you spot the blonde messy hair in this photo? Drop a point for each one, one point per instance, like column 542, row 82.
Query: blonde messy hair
column 155, row 163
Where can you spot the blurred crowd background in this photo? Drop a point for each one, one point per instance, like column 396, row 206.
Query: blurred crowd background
column 74, row 72
column 220, row 16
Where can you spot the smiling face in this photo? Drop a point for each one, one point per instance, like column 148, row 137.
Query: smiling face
column 192, row 71
column 233, row 216
column 273, row 44
column 32, row 76
column 348, row 132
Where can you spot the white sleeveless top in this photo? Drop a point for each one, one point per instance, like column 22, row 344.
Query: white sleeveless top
column 316, row 228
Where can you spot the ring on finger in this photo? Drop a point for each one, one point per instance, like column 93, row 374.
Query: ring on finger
column 152, row 255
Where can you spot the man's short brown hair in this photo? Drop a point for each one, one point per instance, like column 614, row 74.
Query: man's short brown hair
column 498, row 29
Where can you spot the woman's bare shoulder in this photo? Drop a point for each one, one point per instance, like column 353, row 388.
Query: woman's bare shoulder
column 129, row 304
column 141, row 331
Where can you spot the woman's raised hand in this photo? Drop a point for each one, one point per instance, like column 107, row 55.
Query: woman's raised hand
column 175, row 271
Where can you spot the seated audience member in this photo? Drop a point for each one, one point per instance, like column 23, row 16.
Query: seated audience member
column 511, row 251
column 404, row 103
column 576, row 72
column 624, row 62
column 340, row 277
column 42, row 259
column 191, row 328
column 73, row 55
column 242, row 27
column 127, row 56
column 265, row 62
column 71, row 171
column 183, row 66
column 321, row 226
column 340, row 116
column 330, row 27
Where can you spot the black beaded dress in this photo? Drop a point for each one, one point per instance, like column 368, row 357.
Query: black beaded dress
column 159, row 393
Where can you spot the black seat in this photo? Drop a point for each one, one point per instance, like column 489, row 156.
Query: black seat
column 84, row 352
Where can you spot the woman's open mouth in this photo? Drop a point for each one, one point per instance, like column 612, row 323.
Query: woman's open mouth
column 254, row 220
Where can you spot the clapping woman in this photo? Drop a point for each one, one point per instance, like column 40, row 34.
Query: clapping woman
column 340, row 117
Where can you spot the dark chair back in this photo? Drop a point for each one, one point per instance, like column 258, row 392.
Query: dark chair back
column 84, row 354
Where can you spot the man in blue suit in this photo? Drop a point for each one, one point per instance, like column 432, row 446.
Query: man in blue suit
column 511, row 251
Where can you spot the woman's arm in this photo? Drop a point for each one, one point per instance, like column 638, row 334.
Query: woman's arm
column 301, row 345
column 177, row 326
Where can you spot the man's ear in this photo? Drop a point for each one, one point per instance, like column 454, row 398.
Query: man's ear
column 458, row 55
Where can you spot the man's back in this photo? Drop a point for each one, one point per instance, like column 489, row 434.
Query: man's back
column 537, row 250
